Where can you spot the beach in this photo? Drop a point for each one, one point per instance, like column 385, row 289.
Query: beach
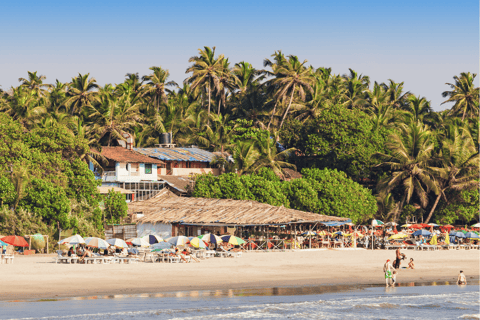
column 38, row 277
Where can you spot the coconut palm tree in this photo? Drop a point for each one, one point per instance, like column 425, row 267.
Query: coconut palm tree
column 418, row 108
column 411, row 151
column 245, row 154
column 270, row 157
column 464, row 95
column 458, row 164
column 292, row 78
column 226, row 82
column 246, row 76
column 355, row 87
column 35, row 83
column 205, row 72
column 156, row 86
column 82, row 92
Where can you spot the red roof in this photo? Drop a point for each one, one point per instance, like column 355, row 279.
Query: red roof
column 121, row 154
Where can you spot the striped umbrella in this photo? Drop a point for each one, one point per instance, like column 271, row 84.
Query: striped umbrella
column 210, row 238
column 476, row 225
column 161, row 245
column 15, row 241
column 139, row 242
column 153, row 238
column 406, row 225
column 97, row 243
column 197, row 243
column 76, row 239
column 178, row 241
column 119, row 243
column 233, row 240
column 309, row 233
column 377, row 223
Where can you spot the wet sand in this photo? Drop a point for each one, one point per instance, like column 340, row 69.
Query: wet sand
column 36, row 277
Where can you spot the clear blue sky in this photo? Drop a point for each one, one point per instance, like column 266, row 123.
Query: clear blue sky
column 423, row 43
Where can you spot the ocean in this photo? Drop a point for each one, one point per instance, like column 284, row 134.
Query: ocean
column 407, row 301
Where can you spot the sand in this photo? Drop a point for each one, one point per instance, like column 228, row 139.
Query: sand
column 37, row 276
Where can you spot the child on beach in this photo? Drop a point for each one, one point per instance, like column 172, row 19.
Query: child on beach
column 394, row 278
column 461, row 278
column 411, row 265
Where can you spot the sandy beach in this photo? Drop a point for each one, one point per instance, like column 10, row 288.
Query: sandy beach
column 37, row 276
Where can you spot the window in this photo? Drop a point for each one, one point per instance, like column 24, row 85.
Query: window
column 148, row 168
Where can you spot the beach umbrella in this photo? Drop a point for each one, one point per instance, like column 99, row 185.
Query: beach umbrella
column 152, row 238
column 309, row 233
column 471, row 235
column 210, row 238
column 432, row 225
column 76, row 239
column 97, row 243
column 398, row 236
column 421, row 233
column 119, row 243
column 406, row 225
column 161, row 246
column 416, row 226
column 3, row 243
column 233, row 240
column 15, row 241
column 377, row 223
column 458, row 234
column 178, row 241
column 197, row 243
column 391, row 224
column 139, row 242
column 476, row 225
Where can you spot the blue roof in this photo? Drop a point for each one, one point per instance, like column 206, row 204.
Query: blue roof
column 336, row 223
column 178, row 154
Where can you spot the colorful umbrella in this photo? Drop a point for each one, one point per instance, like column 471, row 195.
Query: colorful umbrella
column 3, row 244
column 76, row 239
column 391, row 224
column 139, row 242
column 448, row 226
column 210, row 238
column 119, row 243
column 421, row 233
column 153, row 238
column 15, row 241
column 233, row 240
column 406, row 225
column 97, row 243
column 472, row 235
column 398, row 236
column 178, row 241
column 433, row 241
column 309, row 233
column 432, row 225
column 377, row 223
column 458, row 234
column 197, row 243
column 476, row 225
column 416, row 226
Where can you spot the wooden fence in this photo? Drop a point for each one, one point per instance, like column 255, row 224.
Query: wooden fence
column 124, row 232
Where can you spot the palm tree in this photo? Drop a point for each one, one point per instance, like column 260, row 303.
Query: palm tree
column 464, row 94
column 226, row 82
column 217, row 136
column 35, row 83
column 205, row 71
column 418, row 108
column 355, row 86
column 25, row 106
column 278, row 60
column 458, row 164
column 411, row 151
column 292, row 78
column 246, row 76
column 270, row 157
column 82, row 91
column 245, row 155
column 157, row 81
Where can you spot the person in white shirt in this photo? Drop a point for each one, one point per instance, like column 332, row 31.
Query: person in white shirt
column 461, row 278
column 387, row 269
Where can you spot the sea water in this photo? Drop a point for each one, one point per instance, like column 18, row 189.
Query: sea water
column 408, row 301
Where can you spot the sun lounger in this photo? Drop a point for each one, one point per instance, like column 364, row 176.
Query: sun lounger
column 210, row 253
column 6, row 258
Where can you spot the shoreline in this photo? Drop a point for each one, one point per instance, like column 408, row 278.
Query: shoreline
column 36, row 277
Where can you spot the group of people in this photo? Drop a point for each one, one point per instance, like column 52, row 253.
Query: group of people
column 390, row 270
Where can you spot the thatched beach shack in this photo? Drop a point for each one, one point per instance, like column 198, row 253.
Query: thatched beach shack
column 170, row 215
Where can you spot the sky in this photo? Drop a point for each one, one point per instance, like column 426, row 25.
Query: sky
column 421, row 43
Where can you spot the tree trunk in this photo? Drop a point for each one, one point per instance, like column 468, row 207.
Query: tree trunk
column 288, row 108
column 219, row 104
column 209, row 99
column 400, row 208
column 433, row 208
column 271, row 118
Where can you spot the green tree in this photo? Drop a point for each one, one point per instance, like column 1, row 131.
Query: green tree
column 464, row 95
column 82, row 91
column 115, row 207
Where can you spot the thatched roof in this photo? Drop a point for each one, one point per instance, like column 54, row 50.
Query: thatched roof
column 168, row 208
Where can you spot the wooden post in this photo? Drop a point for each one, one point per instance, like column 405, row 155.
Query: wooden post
column 47, row 244
column 29, row 242
column 310, row 237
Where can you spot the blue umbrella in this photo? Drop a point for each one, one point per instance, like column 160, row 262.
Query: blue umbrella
column 153, row 238
column 421, row 232
column 3, row 243
column 161, row 245
column 458, row 234
column 471, row 235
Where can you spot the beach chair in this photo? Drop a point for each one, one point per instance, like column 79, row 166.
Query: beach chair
column 173, row 259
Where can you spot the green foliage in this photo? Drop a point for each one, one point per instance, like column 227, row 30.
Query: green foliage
column 7, row 191
column 115, row 207
column 464, row 208
column 48, row 201
column 340, row 196
column 339, row 139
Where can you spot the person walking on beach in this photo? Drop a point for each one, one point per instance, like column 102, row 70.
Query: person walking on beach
column 461, row 278
column 398, row 258
column 387, row 269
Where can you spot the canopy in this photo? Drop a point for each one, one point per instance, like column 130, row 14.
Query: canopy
column 152, row 238
column 458, row 234
column 476, row 225
column 210, row 238
column 16, row 241
column 233, row 240
column 178, row 241
column 97, row 243
column 421, row 233
column 76, row 239
column 472, row 235
column 119, row 243
column 376, row 223
column 335, row 223
column 140, row 242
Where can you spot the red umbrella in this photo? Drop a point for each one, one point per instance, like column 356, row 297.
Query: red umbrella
column 416, row 226
column 424, row 225
column 16, row 241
